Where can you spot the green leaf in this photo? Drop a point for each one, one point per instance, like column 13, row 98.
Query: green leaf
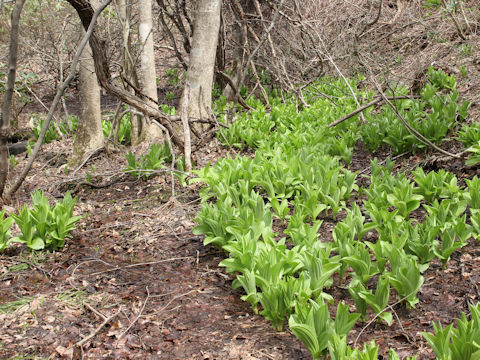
column 36, row 244
column 440, row 342
column 344, row 321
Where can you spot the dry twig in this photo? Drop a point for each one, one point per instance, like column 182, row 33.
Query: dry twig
column 97, row 330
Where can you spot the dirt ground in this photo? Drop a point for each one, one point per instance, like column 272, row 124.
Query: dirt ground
column 135, row 283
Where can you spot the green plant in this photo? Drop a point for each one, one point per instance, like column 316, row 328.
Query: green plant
column 445, row 214
column 440, row 79
column 355, row 288
column 392, row 355
column 433, row 115
column 369, row 351
column 275, row 305
column 372, row 135
column 466, row 49
column 302, row 233
column 361, row 263
column 123, row 129
column 356, row 222
column 405, row 277
column 474, row 159
column 460, row 231
column 148, row 164
column 472, row 196
column 25, row 222
column 12, row 160
column 298, row 175
column 404, row 199
column 460, row 342
column 5, row 224
column 436, row 185
column 475, row 220
column 44, row 227
column 213, row 220
column 181, row 174
column 379, row 301
column 339, row 350
column 440, row 342
column 469, row 135
column 312, row 324
column 173, row 77
column 50, row 135
column 248, row 283
column 319, row 271
column 23, row 83
column 11, row 306
column 242, row 252
column 68, row 126
column 422, row 240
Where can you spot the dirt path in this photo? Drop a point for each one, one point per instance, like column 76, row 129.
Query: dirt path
column 134, row 261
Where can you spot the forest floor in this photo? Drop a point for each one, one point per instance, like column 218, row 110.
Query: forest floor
column 135, row 283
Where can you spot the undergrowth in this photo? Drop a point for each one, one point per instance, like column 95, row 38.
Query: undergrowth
column 299, row 177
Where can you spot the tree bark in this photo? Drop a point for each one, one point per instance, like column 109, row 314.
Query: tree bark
column 7, row 98
column 129, row 69
column 202, row 59
column 148, row 79
column 89, row 135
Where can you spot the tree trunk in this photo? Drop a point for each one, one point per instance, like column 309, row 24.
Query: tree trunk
column 7, row 98
column 148, row 78
column 89, row 135
column 85, row 12
column 124, row 13
column 202, row 58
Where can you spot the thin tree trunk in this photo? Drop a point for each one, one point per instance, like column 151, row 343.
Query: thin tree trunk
column 129, row 66
column 147, row 61
column 89, row 135
column 7, row 98
column 202, row 58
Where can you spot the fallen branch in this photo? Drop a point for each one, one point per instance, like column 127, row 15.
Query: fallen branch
column 389, row 307
column 97, row 150
column 366, row 106
column 133, row 265
column 136, row 317
column 98, row 313
column 410, row 129
column 97, row 330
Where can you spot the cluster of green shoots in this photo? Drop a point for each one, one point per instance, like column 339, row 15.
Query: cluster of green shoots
column 155, row 161
column 297, row 180
column 41, row 227
column 122, row 130
column 52, row 134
